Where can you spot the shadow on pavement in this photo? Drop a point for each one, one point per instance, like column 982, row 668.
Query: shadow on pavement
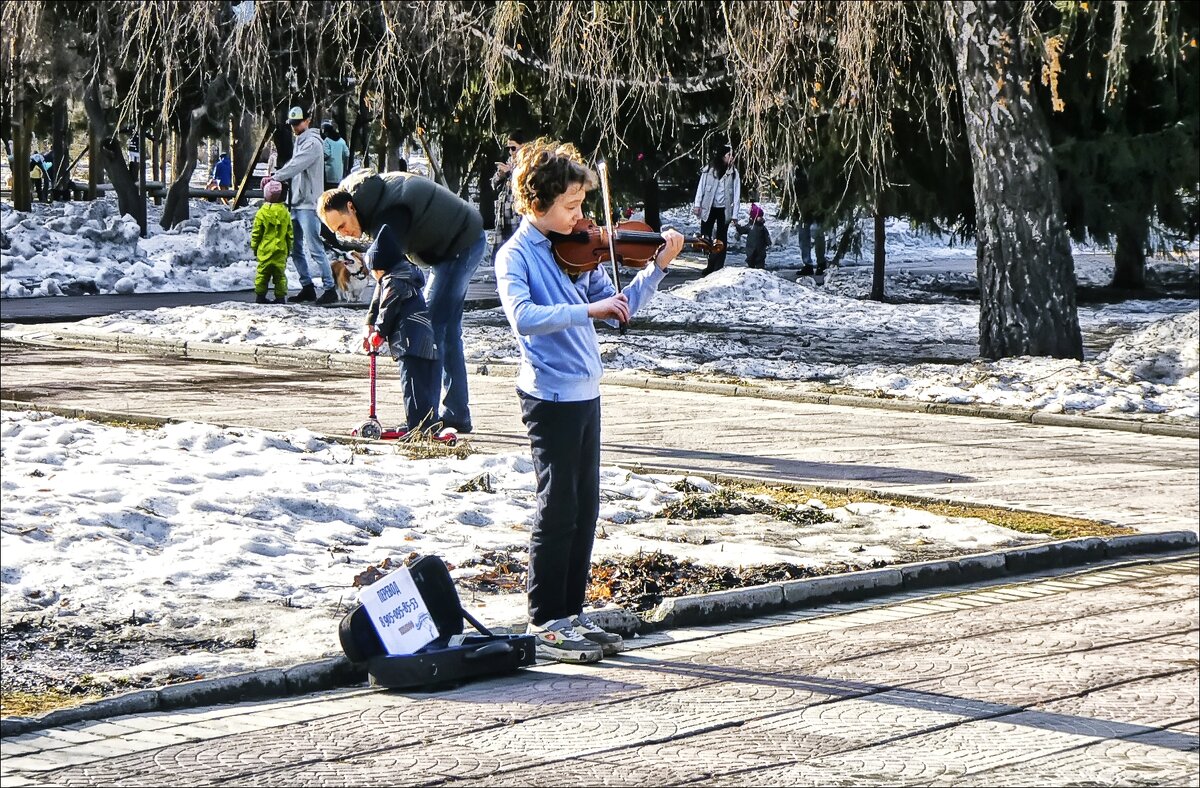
column 968, row 708
column 742, row 464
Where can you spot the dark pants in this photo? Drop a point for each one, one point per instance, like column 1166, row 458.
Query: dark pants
column 421, row 380
column 716, row 220
column 565, row 439
column 811, row 230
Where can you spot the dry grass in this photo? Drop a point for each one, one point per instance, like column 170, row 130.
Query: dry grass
column 1053, row 526
column 27, row 704
column 426, row 448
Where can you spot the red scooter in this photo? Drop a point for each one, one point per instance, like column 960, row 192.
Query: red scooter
column 373, row 429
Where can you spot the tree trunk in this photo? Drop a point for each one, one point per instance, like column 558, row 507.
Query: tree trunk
column 391, row 137
column 22, row 188
column 142, row 217
column 339, row 117
column 239, row 200
column 284, row 143
column 95, row 162
column 193, row 124
column 245, row 145
column 1130, row 258
column 880, row 257
column 60, row 145
column 487, row 195
column 109, row 152
column 156, row 149
column 187, row 143
column 360, row 134
column 1026, row 275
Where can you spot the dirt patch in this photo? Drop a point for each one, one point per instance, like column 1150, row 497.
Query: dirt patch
column 50, row 664
column 1050, row 525
column 696, row 505
column 640, row 583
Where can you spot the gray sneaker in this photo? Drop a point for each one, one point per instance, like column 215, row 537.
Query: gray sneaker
column 609, row 642
column 557, row 640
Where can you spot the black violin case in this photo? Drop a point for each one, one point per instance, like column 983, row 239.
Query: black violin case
column 438, row 662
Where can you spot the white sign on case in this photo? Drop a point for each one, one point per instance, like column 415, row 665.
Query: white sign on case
column 398, row 612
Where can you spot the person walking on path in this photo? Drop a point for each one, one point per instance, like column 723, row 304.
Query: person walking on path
column 558, row 384
column 337, row 155
column 37, row 174
column 506, row 217
column 306, row 170
column 810, row 229
column 399, row 316
column 436, row 227
column 222, row 175
column 271, row 240
column 718, row 197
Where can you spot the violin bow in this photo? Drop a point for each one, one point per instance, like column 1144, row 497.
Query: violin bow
column 602, row 168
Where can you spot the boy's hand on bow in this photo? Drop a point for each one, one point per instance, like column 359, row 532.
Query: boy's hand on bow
column 611, row 308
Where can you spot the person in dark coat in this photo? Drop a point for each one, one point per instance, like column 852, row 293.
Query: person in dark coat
column 757, row 238
column 399, row 316
column 810, row 229
column 433, row 226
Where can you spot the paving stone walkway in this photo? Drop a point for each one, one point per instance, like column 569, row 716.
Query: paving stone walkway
column 1071, row 678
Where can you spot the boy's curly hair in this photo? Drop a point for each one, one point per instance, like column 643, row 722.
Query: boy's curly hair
column 545, row 169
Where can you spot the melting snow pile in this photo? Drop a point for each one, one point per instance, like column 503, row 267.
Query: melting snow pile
column 82, row 248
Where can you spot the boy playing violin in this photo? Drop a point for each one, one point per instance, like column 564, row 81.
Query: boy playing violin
column 558, row 384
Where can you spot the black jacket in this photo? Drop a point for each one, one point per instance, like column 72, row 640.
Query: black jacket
column 430, row 222
column 398, row 310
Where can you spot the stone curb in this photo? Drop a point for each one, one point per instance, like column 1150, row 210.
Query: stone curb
column 312, row 359
column 758, row 600
column 693, row 610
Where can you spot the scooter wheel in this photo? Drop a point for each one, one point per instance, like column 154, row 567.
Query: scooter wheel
column 371, row 430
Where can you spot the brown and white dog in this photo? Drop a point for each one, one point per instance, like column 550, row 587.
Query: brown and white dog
column 351, row 277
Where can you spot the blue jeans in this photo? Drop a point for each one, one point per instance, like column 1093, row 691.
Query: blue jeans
column 307, row 229
column 445, row 293
column 419, row 378
column 809, row 229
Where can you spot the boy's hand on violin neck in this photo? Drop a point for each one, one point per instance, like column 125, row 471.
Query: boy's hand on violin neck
column 672, row 246
column 612, row 308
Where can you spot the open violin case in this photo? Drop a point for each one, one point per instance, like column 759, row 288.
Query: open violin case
column 453, row 657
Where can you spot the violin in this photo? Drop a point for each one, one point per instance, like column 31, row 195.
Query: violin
column 586, row 247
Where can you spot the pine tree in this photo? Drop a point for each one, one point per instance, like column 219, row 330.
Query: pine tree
column 1127, row 155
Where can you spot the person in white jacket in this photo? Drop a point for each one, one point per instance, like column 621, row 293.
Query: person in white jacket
column 306, row 171
column 717, row 202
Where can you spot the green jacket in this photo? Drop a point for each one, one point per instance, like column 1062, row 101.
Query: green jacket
column 272, row 236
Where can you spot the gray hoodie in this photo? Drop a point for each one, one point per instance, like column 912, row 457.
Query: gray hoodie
column 306, row 170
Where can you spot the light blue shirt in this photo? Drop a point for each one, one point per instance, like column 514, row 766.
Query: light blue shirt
column 560, row 354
